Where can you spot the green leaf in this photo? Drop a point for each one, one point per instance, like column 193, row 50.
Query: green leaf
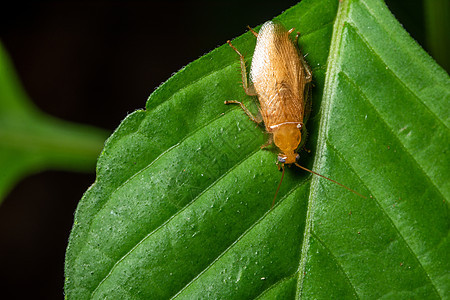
column 31, row 141
column 181, row 205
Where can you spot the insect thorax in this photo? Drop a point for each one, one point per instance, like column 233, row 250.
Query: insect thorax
column 287, row 137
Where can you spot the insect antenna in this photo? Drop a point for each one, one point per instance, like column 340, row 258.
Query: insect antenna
column 278, row 188
column 346, row 187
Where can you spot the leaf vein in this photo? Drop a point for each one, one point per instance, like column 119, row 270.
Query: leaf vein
column 396, row 136
column 189, row 84
column 330, row 79
column 389, row 219
column 240, row 237
column 334, row 258
column 275, row 284
column 394, row 75
column 164, row 153
column 174, row 215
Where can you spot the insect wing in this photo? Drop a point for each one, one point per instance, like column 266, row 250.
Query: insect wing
column 278, row 76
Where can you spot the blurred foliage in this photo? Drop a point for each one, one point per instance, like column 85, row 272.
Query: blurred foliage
column 31, row 141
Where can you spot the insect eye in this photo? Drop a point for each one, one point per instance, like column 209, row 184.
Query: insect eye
column 281, row 159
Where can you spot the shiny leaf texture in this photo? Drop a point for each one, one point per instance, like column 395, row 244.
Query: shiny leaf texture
column 181, row 205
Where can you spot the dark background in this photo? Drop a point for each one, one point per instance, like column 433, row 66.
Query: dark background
column 93, row 62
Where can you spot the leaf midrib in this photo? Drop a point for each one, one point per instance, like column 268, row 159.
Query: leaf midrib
column 330, row 81
column 332, row 63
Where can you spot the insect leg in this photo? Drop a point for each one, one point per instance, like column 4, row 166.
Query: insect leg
column 304, row 139
column 296, row 36
column 308, row 102
column 302, row 144
column 308, row 76
column 249, row 91
column 245, row 109
column 268, row 143
column 253, row 31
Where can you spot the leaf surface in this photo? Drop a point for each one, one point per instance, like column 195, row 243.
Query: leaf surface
column 181, row 204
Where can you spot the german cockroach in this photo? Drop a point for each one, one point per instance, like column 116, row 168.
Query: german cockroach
column 280, row 78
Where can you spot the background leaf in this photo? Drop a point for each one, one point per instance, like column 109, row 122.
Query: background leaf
column 181, row 205
column 31, row 141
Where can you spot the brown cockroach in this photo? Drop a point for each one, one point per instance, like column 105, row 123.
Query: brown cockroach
column 279, row 77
